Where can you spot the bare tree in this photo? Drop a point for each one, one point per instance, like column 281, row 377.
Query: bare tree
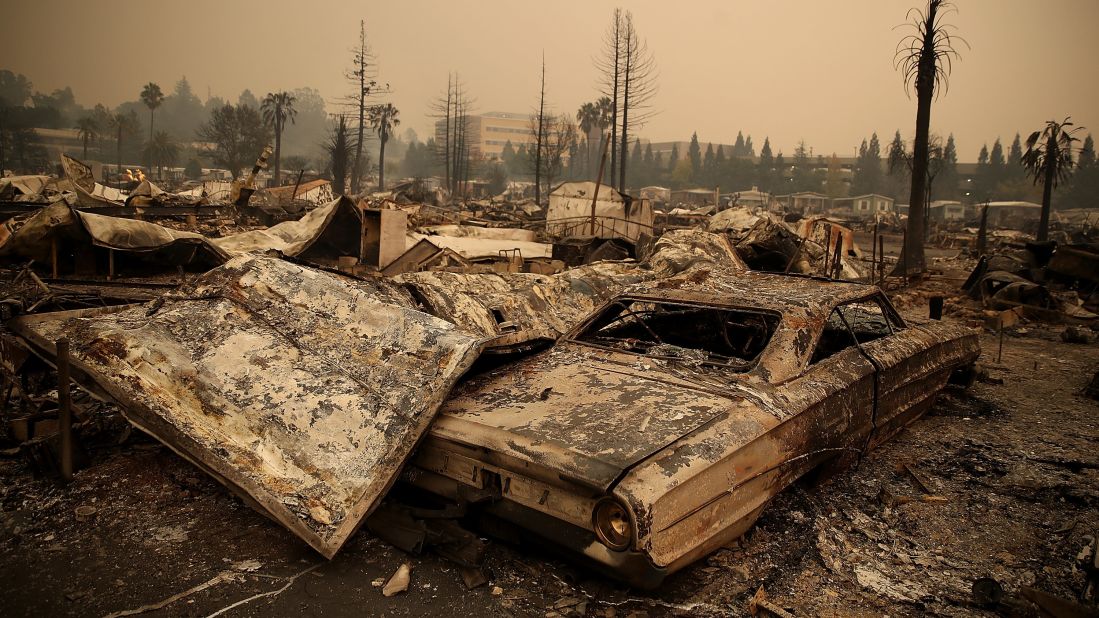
column 442, row 107
column 559, row 138
column 538, row 129
column 638, row 87
column 924, row 58
column 363, row 76
column 453, row 149
column 610, row 66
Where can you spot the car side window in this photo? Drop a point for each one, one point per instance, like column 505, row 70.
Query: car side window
column 868, row 320
column 852, row 324
column 835, row 338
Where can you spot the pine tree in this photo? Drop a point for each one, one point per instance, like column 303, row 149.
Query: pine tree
column 858, row 180
column 1015, row 169
column 946, row 185
column 649, row 168
column 709, row 171
column 766, row 170
column 673, row 160
column 694, row 155
column 997, row 167
column 983, row 189
column 738, row 148
column 1083, row 185
column 749, row 149
column 778, row 179
column 634, row 170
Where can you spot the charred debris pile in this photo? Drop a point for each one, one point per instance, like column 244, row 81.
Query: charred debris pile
column 248, row 329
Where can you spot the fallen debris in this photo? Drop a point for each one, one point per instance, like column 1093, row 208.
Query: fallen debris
column 398, row 581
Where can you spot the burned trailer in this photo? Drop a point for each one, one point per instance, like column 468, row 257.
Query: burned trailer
column 657, row 430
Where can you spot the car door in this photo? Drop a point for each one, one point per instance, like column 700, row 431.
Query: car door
column 834, row 397
column 907, row 359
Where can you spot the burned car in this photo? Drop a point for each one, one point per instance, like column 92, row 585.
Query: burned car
column 657, row 429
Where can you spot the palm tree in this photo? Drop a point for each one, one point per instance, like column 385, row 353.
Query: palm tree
column 152, row 97
column 383, row 118
column 87, row 129
column 588, row 119
column 1048, row 158
column 924, row 58
column 162, row 150
column 121, row 123
column 277, row 108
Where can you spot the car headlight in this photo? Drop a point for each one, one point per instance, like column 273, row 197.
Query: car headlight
column 612, row 524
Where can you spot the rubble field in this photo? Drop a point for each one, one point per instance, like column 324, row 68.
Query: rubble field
column 1012, row 468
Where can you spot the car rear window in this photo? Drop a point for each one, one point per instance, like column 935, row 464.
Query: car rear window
column 730, row 338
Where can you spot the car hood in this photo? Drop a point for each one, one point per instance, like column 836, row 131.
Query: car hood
column 590, row 414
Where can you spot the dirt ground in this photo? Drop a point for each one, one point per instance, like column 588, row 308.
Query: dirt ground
column 1016, row 466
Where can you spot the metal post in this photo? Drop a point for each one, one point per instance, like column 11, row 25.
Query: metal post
column 881, row 260
column 53, row 255
column 110, row 264
column 598, row 181
column 66, row 413
column 1000, row 353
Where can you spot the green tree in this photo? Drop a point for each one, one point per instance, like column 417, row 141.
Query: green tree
column 278, row 109
column 152, row 97
column 87, row 130
column 1082, row 190
column 340, row 148
column 236, row 136
column 1049, row 159
column 709, row 170
column 983, row 176
column 162, row 150
column 121, row 124
column 804, row 179
column 15, row 89
column 833, row 182
column 739, row 149
column 766, row 170
column 779, row 184
column 1015, row 160
column 694, row 155
column 383, row 118
column 587, row 117
column 924, row 58
column 635, row 168
column 948, row 175
column 193, row 169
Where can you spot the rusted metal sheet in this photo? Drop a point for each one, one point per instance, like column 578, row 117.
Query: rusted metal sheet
column 302, row 391
column 321, row 235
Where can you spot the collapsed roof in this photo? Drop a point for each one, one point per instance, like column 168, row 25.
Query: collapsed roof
column 301, row 391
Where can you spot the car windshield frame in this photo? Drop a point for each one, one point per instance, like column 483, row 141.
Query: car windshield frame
column 735, row 364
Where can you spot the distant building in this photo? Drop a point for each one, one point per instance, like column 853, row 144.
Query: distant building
column 805, row 202
column 491, row 131
column 946, row 210
column 864, row 206
column 752, row 198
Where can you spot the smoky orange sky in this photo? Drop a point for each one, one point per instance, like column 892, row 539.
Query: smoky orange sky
column 791, row 70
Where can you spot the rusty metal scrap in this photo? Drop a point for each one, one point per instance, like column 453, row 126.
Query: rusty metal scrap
column 301, row 391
